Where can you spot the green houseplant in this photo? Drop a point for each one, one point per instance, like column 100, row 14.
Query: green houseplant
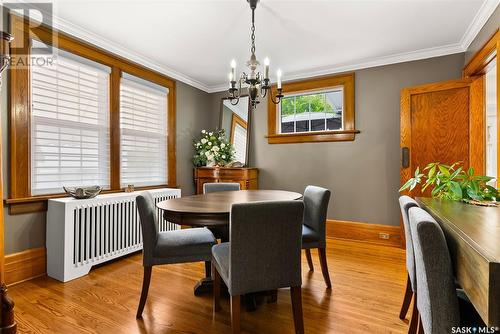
column 212, row 149
column 452, row 182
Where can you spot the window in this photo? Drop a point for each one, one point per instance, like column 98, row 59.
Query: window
column 307, row 112
column 69, row 124
column 239, row 137
column 313, row 111
column 90, row 118
column 143, row 136
column 491, row 122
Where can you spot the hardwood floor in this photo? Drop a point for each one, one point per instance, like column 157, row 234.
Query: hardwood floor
column 367, row 291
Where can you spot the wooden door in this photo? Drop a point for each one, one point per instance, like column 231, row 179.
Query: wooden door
column 442, row 122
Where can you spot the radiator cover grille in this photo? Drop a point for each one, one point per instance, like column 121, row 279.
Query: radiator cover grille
column 83, row 233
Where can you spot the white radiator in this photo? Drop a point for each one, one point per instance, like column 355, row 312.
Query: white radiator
column 83, row 233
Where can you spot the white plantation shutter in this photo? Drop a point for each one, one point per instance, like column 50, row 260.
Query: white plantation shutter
column 240, row 143
column 143, row 132
column 69, row 124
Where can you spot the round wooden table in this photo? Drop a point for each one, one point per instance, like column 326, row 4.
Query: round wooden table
column 212, row 210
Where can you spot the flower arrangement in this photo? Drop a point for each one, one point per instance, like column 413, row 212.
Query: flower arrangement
column 212, row 149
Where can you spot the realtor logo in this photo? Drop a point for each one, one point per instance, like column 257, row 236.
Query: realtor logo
column 39, row 13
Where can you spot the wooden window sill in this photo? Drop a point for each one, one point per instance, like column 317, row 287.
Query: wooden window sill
column 39, row 203
column 307, row 137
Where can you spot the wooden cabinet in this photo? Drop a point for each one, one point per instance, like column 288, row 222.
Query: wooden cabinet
column 246, row 177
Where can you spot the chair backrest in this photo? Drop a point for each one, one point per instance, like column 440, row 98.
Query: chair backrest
column 405, row 203
column 220, row 186
column 149, row 225
column 266, row 240
column 315, row 209
column 437, row 299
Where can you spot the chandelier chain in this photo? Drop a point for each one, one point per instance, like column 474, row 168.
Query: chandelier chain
column 253, row 32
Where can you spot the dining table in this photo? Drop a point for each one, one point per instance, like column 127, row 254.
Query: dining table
column 212, row 210
column 473, row 236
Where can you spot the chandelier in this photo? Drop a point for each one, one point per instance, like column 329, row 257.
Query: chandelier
column 258, row 85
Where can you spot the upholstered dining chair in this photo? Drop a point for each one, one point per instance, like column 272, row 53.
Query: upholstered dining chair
column 220, row 186
column 405, row 203
column 263, row 254
column 178, row 246
column 314, row 227
column 438, row 302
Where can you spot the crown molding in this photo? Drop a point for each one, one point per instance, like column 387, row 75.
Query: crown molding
column 99, row 41
column 482, row 16
column 79, row 32
column 367, row 63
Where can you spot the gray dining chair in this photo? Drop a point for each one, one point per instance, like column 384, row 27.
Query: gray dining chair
column 314, row 227
column 405, row 203
column 438, row 302
column 263, row 254
column 177, row 246
column 220, row 186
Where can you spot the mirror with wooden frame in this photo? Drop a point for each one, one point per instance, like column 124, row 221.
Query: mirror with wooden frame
column 235, row 120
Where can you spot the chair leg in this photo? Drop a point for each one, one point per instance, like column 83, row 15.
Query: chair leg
column 235, row 314
column 145, row 288
column 216, row 288
column 309, row 260
column 406, row 299
column 324, row 267
column 415, row 316
column 272, row 297
column 420, row 327
column 208, row 269
column 298, row 320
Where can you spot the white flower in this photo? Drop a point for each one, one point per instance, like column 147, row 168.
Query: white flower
column 210, row 133
column 223, row 156
column 207, row 153
column 209, row 143
column 203, row 131
column 215, row 148
column 222, row 145
column 203, row 141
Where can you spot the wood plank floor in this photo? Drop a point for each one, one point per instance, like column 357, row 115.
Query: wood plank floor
column 368, row 282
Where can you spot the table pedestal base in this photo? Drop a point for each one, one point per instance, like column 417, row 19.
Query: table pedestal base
column 204, row 286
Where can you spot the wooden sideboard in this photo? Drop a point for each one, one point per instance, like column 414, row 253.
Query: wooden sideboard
column 246, row 177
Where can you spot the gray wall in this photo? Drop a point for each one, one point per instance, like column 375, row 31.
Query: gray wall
column 364, row 174
column 193, row 113
column 484, row 34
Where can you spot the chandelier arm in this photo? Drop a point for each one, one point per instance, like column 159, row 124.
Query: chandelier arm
column 263, row 92
column 234, row 99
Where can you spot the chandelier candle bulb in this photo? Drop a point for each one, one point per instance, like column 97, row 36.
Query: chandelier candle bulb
column 278, row 74
column 233, row 69
column 266, row 64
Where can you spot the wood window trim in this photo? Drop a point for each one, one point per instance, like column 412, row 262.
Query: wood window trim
column 236, row 120
column 20, row 199
column 479, row 63
column 476, row 68
column 347, row 134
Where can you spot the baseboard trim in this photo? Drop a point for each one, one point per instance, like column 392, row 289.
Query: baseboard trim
column 25, row 265
column 364, row 232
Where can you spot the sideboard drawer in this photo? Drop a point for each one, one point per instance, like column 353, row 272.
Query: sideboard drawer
column 246, row 177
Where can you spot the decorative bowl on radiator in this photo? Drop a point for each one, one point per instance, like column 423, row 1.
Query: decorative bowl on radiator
column 83, row 192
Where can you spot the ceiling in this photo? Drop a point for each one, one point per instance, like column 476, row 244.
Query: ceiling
column 194, row 40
